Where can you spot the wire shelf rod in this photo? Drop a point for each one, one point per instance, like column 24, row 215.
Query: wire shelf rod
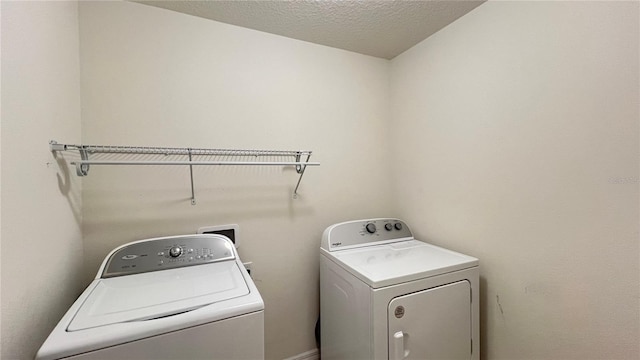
column 83, row 165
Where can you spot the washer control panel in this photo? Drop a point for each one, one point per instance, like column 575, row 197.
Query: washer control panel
column 364, row 233
column 168, row 253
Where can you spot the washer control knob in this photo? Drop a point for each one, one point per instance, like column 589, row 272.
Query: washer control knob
column 371, row 228
column 398, row 226
column 388, row 227
column 175, row 251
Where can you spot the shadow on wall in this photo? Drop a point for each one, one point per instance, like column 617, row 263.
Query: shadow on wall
column 69, row 186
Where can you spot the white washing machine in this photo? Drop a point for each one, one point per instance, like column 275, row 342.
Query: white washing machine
column 181, row 297
column 386, row 295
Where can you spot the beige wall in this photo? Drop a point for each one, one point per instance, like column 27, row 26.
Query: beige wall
column 516, row 141
column 156, row 77
column 41, row 242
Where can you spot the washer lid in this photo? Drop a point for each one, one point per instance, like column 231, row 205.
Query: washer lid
column 395, row 263
column 157, row 294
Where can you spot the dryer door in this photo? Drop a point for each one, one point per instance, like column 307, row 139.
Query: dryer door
column 431, row 324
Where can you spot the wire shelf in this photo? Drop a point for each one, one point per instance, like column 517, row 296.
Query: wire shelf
column 300, row 158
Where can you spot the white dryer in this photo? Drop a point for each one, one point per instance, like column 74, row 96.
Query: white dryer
column 386, row 295
column 181, row 297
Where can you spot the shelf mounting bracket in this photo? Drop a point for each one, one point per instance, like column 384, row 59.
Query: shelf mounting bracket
column 193, row 195
column 83, row 169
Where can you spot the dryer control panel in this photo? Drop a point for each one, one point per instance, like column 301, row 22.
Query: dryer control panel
column 168, row 253
column 359, row 233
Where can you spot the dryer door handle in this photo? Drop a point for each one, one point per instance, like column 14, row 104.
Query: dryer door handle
column 399, row 351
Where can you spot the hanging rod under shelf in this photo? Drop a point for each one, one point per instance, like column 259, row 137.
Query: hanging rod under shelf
column 82, row 166
column 124, row 162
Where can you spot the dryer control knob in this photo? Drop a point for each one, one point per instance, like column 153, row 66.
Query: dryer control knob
column 175, row 251
column 371, row 228
column 388, row 227
column 398, row 226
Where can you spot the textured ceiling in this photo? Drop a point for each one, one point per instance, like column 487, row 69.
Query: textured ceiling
column 372, row 27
